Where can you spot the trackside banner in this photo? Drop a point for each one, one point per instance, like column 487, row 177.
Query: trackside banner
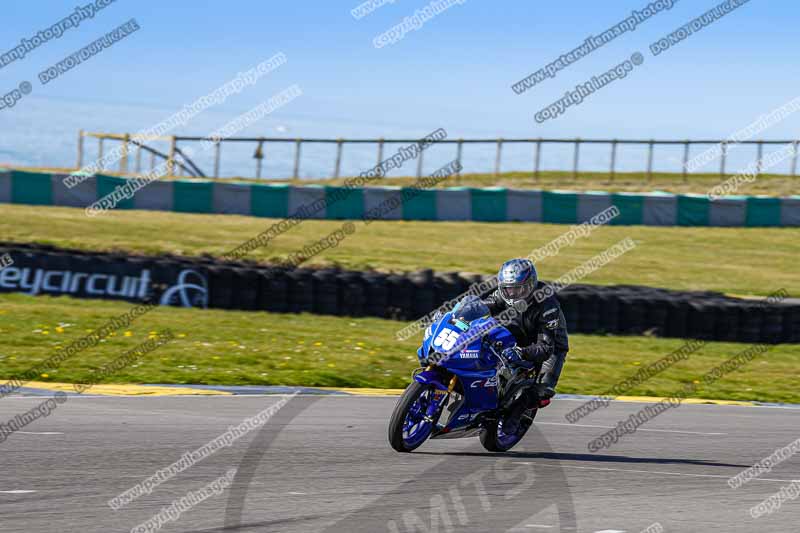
column 113, row 278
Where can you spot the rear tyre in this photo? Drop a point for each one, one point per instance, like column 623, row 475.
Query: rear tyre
column 494, row 439
column 407, row 427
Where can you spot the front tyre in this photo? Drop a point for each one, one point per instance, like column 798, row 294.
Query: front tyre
column 411, row 422
column 495, row 439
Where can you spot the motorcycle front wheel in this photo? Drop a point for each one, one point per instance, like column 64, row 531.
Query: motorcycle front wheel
column 408, row 427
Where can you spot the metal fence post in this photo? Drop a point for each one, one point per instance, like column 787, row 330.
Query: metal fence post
column 497, row 157
column 650, row 161
column 171, row 160
column 724, row 146
column 537, row 159
column 216, row 158
column 100, row 152
column 152, row 161
column 794, row 159
column 123, row 162
column 380, row 151
column 419, row 164
column 575, row 159
column 259, row 156
column 296, row 158
column 138, row 159
column 760, row 156
column 685, row 160
column 459, row 147
column 338, row 158
column 613, row 160
column 80, row 149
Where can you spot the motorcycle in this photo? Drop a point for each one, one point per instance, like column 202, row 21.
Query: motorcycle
column 464, row 386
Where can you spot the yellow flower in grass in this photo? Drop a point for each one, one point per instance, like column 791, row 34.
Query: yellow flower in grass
column 45, row 332
column 45, row 375
column 59, row 329
column 128, row 333
column 181, row 335
column 317, row 344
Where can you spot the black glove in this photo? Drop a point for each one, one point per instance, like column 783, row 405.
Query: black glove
column 514, row 356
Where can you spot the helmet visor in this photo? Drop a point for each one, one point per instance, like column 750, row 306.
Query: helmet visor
column 516, row 292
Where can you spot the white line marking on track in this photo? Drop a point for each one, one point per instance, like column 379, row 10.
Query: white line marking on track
column 39, row 432
column 16, row 491
column 589, row 398
column 612, row 427
column 349, row 396
column 611, row 531
column 298, row 493
column 538, row 525
column 651, row 472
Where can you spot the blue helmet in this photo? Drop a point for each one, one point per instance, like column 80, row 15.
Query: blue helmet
column 516, row 280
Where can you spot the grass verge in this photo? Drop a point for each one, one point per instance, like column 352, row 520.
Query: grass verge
column 746, row 261
column 239, row 348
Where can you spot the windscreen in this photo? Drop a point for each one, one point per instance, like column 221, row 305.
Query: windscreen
column 470, row 308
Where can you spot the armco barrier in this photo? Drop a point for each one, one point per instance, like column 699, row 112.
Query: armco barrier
column 208, row 282
column 446, row 204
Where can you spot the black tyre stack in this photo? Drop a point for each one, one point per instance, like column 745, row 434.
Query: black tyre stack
column 592, row 309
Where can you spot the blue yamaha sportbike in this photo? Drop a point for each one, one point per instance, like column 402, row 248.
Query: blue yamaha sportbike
column 465, row 387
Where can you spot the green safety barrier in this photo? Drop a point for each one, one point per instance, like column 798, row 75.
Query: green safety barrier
column 31, row 188
column 460, row 203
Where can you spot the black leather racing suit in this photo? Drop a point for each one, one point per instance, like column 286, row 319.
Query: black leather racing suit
column 541, row 332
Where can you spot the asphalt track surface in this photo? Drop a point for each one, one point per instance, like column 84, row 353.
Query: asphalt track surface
column 322, row 463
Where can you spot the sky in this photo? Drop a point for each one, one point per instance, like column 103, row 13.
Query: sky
column 455, row 71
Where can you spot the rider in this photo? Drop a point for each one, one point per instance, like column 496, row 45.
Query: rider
column 540, row 327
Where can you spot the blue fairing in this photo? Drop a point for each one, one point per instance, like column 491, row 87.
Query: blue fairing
column 464, row 349
column 430, row 377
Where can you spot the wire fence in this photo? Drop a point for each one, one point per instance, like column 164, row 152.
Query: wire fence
column 179, row 162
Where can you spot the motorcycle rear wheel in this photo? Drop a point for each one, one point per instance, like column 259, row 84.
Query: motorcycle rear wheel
column 494, row 440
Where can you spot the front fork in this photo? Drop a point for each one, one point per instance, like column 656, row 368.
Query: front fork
column 440, row 396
